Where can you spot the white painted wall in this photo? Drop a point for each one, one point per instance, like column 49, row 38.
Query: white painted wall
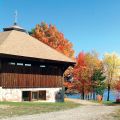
column 16, row 94
column 10, row 94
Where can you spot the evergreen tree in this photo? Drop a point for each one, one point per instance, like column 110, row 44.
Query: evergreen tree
column 98, row 82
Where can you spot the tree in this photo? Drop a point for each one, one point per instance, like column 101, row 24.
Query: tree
column 81, row 74
column 50, row 35
column 68, row 74
column 94, row 64
column 111, row 64
column 92, row 61
column 68, row 79
column 117, row 85
column 117, row 88
column 87, row 64
column 98, row 81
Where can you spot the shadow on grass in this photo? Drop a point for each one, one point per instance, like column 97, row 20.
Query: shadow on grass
column 108, row 103
column 111, row 103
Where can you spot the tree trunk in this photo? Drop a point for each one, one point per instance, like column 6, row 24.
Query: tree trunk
column 93, row 93
column 91, row 96
column 88, row 96
column 108, row 97
column 83, row 94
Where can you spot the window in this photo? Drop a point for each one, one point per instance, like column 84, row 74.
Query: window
column 20, row 64
column 27, row 64
column 34, row 95
column 42, row 95
column 11, row 63
column 39, row 95
column 42, row 66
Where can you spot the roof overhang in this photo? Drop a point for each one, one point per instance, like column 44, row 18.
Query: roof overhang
column 24, row 58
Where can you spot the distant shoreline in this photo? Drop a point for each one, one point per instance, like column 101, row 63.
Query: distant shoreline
column 112, row 95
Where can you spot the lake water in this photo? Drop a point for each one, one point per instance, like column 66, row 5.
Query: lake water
column 112, row 95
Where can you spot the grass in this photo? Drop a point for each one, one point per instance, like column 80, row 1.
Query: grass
column 109, row 103
column 116, row 115
column 10, row 109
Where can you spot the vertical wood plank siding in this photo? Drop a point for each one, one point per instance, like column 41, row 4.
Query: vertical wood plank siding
column 15, row 76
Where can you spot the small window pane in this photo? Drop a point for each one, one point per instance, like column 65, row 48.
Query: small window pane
column 27, row 64
column 21, row 64
column 42, row 66
column 11, row 63
column 34, row 95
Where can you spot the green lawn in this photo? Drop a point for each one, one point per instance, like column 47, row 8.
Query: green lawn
column 10, row 109
column 109, row 103
column 116, row 115
column 112, row 103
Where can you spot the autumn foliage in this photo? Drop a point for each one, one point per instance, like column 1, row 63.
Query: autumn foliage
column 50, row 35
column 117, row 86
column 111, row 63
column 68, row 78
column 81, row 74
column 87, row 64
column 78, row 77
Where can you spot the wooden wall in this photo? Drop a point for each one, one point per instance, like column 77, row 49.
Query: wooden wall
column 16, row 76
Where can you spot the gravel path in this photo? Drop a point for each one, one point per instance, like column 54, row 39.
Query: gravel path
column 89, row 111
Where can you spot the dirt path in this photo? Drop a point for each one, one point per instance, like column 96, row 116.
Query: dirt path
column 88, row 111
column 83, row 102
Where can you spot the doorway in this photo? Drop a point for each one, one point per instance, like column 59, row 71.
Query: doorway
column 26, row 95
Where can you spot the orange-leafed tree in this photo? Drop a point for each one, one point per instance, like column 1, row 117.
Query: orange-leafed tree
column 95, row 65
column 117, row 88
column 50, row 35
column 81, row 75
column 87, row 64
column 68, row 79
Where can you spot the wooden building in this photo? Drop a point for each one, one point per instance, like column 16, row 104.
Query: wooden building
column 29, row 69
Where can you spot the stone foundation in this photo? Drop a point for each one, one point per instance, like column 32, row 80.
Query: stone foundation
column 52, row 94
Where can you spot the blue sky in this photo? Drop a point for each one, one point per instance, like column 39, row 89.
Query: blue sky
column 88, row 24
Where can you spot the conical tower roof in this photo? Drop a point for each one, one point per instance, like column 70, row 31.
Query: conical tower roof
column 14, row 27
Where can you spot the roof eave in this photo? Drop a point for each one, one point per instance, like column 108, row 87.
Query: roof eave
column 3, row 55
